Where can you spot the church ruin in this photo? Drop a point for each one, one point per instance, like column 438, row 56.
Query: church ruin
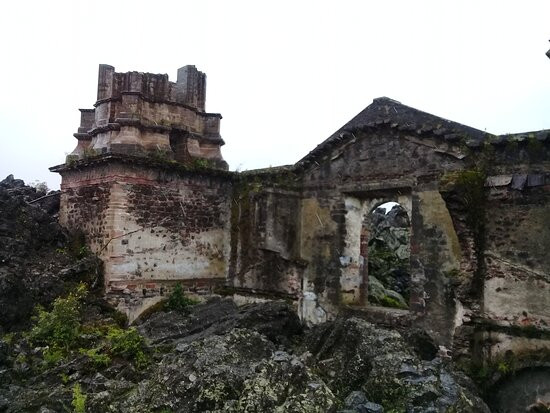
column 148, row 187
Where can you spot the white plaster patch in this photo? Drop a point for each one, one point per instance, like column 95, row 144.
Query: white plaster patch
column 310, row 312
column 517, row 300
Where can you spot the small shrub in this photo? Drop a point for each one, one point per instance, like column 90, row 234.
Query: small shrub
column 200, row 163
column 70, row 160
column 60, row 327
column 128, row 344
column 8, row 338
column 503, row 367
column 98, row 358
column 82, row 252
column 388, row 301
column 64, row 378
column 178, row 301
column 21, row 358
column 77, row 245
column 79, row 399
column 161, row 155
column 53, row 355
column 120, row 318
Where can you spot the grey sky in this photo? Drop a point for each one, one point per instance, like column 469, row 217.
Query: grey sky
column 283, row 74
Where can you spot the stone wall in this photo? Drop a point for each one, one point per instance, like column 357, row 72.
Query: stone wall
column 345, row 186
column 264, row 243
column 478, row 207
column 152, row 225
column 143, row 113
column 464, row 277
column 517, row 285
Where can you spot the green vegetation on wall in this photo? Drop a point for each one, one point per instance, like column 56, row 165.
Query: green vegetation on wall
column 469, row 187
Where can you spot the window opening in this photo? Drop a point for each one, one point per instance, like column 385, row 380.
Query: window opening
column 388, row 255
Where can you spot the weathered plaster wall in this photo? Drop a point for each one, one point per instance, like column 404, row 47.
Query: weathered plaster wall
column 321, row 241
column 346, row 184
column 504, row 238
column 478, row 207
column 517, row 283
column 152, row 227
column 264, row 237
column 436, row 255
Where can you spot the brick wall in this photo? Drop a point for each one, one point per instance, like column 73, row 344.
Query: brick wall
column 153, row 228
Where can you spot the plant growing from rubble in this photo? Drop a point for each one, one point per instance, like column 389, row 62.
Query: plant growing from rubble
column 388, row 301
column 200, row 163
column 161, row 155
column 89, row 153
column 40, row 186
column 62, row 331
column 79, row 399
column 128, row 344
column 59, row 328
column 178, row 301
column 97, row 356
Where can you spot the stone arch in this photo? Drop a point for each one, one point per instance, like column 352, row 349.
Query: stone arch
column 385, row 252
column 354, row 281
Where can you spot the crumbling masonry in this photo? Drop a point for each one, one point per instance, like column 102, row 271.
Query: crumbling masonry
column 149, row 188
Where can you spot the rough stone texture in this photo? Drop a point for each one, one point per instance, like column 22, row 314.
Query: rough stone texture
column 139, row 113
column 36, row 261
column 299, row 232
column 151, row 226
column 264, row 250
column 276, row 320
column 354, row 354
column 220, row 359
column 522, row 393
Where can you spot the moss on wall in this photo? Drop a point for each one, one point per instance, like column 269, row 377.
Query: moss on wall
column 468, row 187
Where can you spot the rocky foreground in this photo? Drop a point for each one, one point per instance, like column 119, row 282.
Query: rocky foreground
column 77, row 354
column 220, row 358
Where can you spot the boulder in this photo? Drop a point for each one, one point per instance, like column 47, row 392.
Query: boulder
column 235, row 372
column 353, row 355
column 275, row 319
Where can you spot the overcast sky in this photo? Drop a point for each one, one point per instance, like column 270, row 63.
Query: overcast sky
column 284, row 74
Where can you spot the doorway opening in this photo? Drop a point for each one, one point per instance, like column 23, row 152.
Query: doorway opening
column 385, row 248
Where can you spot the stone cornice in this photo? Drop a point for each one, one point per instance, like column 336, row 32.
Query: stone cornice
column 145, row 161
column 167, row 102
column 146, row 126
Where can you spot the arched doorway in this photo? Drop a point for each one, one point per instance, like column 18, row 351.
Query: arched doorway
column 385, row 252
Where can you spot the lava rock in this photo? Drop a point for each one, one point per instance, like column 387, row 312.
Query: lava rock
column 353, row 354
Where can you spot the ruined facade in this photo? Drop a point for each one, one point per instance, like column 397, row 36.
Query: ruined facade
column 148, row 187
column 123, row 186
